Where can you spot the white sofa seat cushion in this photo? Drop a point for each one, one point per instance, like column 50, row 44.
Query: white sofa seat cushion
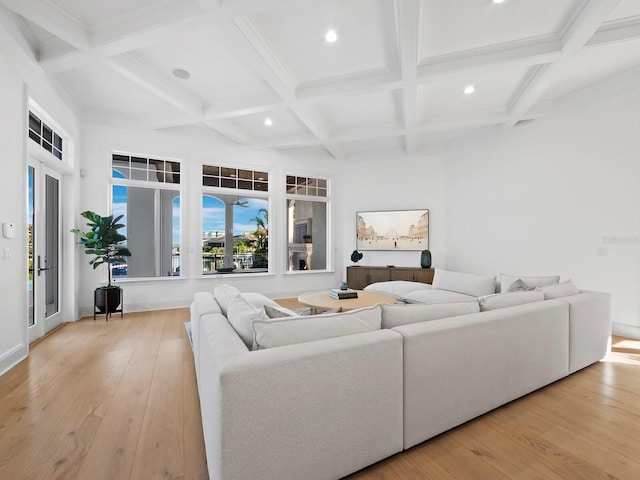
column 223, row 294
column 396, row 315
column 241, row 315
column 438, row 296
column 475, row 285
column 530, row 282
column 397, row 288
column 269, row 333
column 509, row 299
column 559, row 290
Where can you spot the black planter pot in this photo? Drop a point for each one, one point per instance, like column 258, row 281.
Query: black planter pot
column 108, row 298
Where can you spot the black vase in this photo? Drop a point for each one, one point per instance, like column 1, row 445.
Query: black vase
column 425, row 259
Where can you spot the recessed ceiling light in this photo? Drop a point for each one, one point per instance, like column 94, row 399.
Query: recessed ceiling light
column 331, row 36
column 180, row 73
column 268, row 122
column 496, row 2
column 469, row 89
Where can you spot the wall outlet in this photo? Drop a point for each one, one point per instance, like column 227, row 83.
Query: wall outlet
column 7, row 254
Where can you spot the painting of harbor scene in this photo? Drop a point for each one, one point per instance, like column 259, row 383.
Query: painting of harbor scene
column 393, row 230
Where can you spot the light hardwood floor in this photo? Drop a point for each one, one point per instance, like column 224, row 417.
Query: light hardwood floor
column 118, row 400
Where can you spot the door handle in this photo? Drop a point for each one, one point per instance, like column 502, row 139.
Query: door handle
column 41, row 269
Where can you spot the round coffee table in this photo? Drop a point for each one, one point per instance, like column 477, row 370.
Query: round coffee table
column 322, row 300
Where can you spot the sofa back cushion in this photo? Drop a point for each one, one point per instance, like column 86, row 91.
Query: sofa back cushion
column 558, row 290
column 396, row 315
column 223, row 294
column 241, row 315
column 509, row 299
column 277, row 333
column 475, row 285
column 529, row 282
column 397, row 288
column 438, row 296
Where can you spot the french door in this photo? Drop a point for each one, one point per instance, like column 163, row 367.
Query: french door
column 43, row 220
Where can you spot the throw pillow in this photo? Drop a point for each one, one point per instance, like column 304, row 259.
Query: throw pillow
column 519, row 286
column 396, row 315
column 287, row 331
column 241, row 315
column 509, row 299
column 278, row 312
column 558, row 290
column 474, row 285
column 223, row 294
column 530, row 282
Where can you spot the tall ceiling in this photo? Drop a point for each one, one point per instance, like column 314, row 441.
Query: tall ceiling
column 393, row 80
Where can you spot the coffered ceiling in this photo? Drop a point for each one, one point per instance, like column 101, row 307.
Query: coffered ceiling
column 393, row 80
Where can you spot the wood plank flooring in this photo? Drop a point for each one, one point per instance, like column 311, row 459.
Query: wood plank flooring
column 118, row 400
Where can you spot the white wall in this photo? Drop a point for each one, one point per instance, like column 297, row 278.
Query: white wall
column 559, row 195
column 19, row 78
column 405, row 183
column 167, row 292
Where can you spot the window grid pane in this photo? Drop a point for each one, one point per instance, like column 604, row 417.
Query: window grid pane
column 233, row 178
column 45, row 136
column 145, row 169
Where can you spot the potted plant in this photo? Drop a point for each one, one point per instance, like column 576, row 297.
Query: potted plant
column 105, row 244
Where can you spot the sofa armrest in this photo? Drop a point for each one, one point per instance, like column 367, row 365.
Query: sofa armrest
column 589, row 328
column 315, row 410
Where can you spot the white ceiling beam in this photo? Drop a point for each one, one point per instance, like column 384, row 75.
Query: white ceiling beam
column 230, row 130
column 53, row 20
column 135, row 71
column 585, row 24
column 617, row 31
column 408, row 17
column 486, row 59
column 236, row 107
column 369, row 82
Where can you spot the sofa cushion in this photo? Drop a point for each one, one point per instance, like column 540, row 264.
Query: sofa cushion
column 241, row 315
column 258, row 300
column 397, row 288
column 276, row 333
column 396, row 315
column 558, row 290
column 530, row 282
column 509, row 299
column 223, row 294
column 518, row 286
column 438, row 296
column 283, row 312
column 475, row 285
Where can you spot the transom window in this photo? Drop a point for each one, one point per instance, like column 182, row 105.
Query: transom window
column 237, row 178
column 43, row 135
column 146, row 169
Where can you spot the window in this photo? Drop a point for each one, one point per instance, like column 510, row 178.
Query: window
column 147, row 192
column 235, row 220
column 307, row 220
column 44, row 135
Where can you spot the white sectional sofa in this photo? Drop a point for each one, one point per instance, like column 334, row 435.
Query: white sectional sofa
column 325, row 408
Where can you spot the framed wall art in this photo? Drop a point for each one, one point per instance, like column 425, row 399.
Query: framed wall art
column 393, row 230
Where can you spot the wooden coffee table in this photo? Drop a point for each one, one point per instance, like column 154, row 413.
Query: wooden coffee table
column 321, row 300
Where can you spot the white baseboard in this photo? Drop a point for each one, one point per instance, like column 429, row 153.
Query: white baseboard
column 13, row 357
column 629, row 331
column 87, row 310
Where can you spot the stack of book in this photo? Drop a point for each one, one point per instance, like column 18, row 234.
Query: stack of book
column 342, row 294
